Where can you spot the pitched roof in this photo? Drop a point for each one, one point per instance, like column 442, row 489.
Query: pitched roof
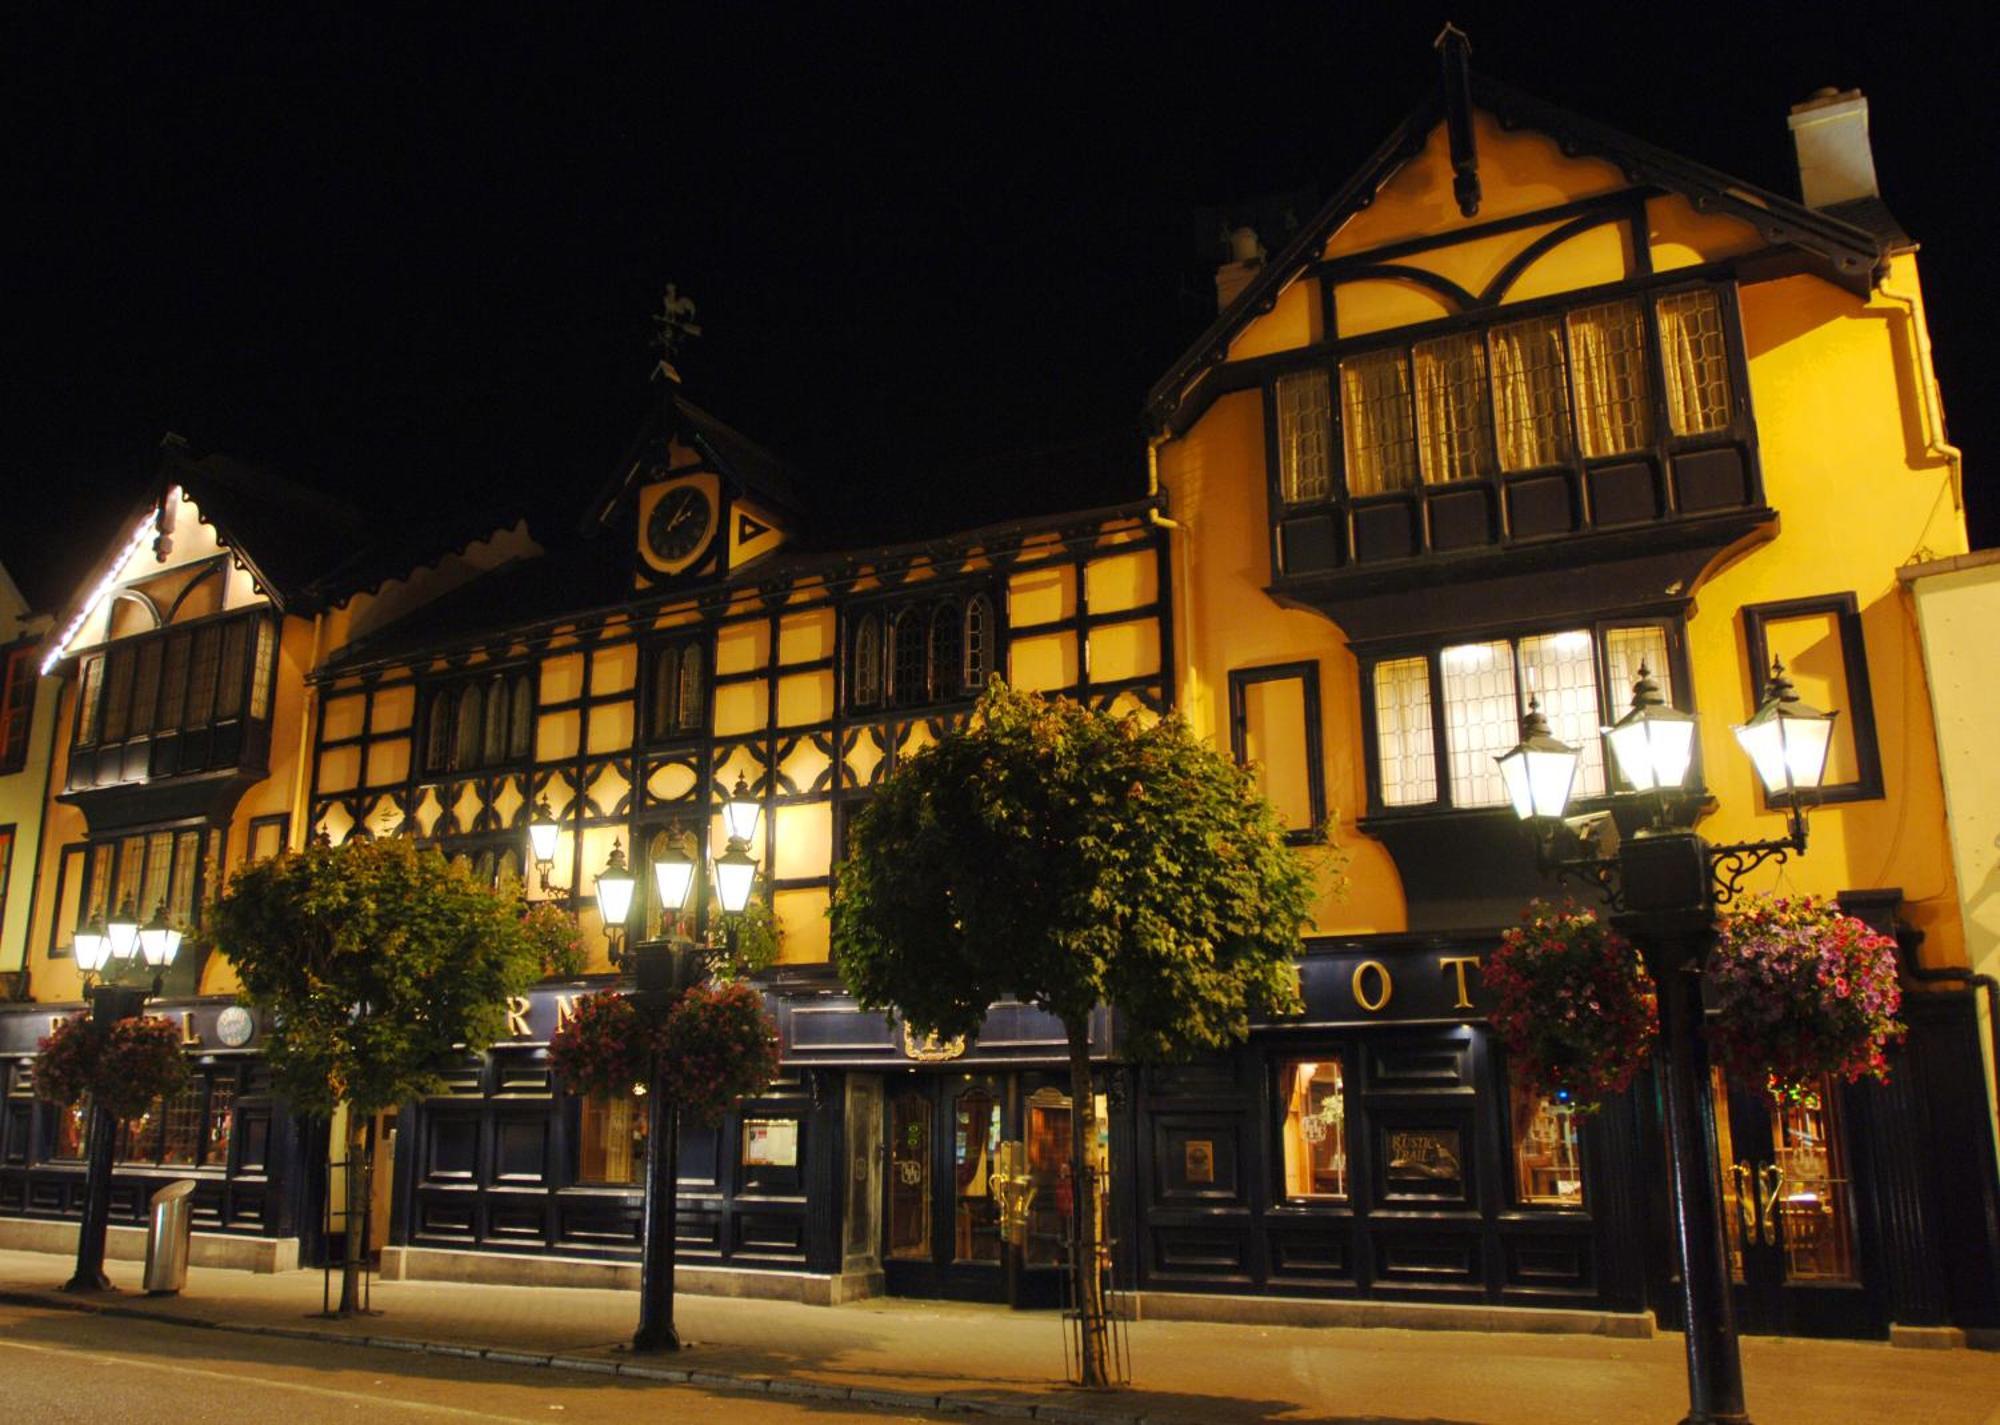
column 1849, row 244
column 757, row 470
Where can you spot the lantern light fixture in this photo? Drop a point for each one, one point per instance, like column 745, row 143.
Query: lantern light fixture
column 159, row 942
column 123, row 932
column 1787, row 739
column 675, row 874
column 91, row 946
column 1539, row 770
column 542, row 832
column 614, row 890
column 734, row 873
column 1654, row 741
column 741, row 812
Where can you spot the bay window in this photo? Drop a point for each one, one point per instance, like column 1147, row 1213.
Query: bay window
column 1459, row 706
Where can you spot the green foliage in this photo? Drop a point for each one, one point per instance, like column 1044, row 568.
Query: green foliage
column 759, row 938
column 557, row 943
column 381, row 965
column 1070, row 858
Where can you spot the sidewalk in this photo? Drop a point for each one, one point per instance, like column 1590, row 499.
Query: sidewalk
column 941, row 1358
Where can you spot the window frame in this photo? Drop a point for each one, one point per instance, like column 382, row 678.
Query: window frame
column 207, row 845
column 1306, row 673
column 17, row 716
column 942, row 686
column 513, row 680
column 1483, row 319
column 93, row 710
column 1612, row 703
column 679, row 726
column 1845, row 610
column 1282, row 1071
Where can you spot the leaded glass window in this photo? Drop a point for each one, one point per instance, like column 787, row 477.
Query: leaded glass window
column 1376, row 427
column 866, row 681
column 1408, row 759
column 947, row 651
column 235, row 656
column 1530, row 393
column 909, row 682
column 978, row 642
column 521, row 719
column 1561, row 670
column 1454, row 430
column 1695, row 362
column 1607, row 349
column 1305, row 430
column 688, row 705
column 1481, row 719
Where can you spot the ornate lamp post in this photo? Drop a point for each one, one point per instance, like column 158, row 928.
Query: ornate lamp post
column 543, row 829
column 662, row 971
column 1666, row 883
column 104, row 953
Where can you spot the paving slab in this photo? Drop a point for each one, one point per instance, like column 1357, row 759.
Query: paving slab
column 958, row 1360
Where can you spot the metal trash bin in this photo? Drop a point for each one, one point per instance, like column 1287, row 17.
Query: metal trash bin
column 168, row 1224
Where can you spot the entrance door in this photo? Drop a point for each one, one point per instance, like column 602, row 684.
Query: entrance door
column 943, row 1235
column 1789, row 1213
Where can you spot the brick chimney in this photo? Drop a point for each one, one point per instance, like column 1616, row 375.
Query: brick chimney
column 1836, row 164
column 1246, row 260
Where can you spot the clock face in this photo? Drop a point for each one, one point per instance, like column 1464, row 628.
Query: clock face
column 679, row 524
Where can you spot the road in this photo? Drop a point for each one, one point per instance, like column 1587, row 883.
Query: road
column 59, row 1367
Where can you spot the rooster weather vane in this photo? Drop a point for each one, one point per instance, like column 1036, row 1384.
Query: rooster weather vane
column 676, row 327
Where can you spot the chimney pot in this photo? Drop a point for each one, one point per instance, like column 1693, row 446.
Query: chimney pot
column 1246, row 260
column 1830, row 134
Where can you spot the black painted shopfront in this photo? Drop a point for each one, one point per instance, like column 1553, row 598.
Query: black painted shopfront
column 250, row 1160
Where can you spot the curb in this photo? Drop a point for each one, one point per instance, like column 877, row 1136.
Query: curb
column 786, row 1387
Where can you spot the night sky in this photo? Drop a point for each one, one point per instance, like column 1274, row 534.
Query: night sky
column 939, row 253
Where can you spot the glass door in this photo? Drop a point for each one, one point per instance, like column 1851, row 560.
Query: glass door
column 1789, row 1212
column 942, row 1212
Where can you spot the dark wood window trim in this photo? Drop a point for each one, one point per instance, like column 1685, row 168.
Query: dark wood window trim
column 205, row 852
column 1613, row 701
column 8, row 846
column 72, row 861
column 668, row 713
column 1846, row 612
column 957, row 661
column 20, row 679
column 281, row 820
column 452, row 744
column 1306, row 674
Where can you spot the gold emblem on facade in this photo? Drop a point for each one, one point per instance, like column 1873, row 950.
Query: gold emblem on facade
column 931, row 1050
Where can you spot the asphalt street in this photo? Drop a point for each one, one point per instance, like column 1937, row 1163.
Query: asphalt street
column 67, row 1368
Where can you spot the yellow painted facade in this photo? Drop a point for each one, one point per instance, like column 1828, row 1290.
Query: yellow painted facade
column 1849, row 461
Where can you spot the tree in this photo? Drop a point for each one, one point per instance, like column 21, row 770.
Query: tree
column 380, row 966
column 1068, row 858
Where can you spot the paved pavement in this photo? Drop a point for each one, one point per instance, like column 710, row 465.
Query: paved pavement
column 924, row 1359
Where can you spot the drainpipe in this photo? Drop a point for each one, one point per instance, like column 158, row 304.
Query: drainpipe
column 302, row 768
column 1929, row 403
column 1184, row 621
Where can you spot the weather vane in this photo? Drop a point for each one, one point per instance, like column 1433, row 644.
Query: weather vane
column 677, row 326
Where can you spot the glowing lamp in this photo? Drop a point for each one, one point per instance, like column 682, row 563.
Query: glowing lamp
column 675, row 874
column 92, row 946
column 614, row 889
column 740, row 812
column 1787, row 739
column 159, row 942
column 1539, row 770
column 123, row 932
column 734, row 871
column 542, row 832
column 1654, row 743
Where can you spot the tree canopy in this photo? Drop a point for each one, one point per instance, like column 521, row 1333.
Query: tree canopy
column 1067, row 858
column 382, row 965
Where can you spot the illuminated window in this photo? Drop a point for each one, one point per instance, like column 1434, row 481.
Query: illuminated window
column 1530, row 393
column 1305, row 430
column 865, row 684
column 1376, row 423
column 1315, row 1128
column 1582, row 678
column 611, row 1140
column 1548, row 1164
column 1454, row 426
column 1614, row 407
column 1695, row 362
column 17, row 707
column 978, row 643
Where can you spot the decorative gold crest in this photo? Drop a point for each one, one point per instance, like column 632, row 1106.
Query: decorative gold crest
column 931, row 1051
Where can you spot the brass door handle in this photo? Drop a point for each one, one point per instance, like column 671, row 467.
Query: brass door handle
column 1771, row 1179
column 1745, row 1193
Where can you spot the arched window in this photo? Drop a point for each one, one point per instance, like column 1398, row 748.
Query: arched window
column 866, row 678
column 908, row 683
column 978, row 642
column 493, row 745
column 688, row 707
column 465, row 731
column 437, row 741
column 947, row 651
column 663, row 693
column 521, row 715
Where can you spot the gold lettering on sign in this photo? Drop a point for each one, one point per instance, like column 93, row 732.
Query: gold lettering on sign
column 1384, row 985
column 517, row 1017
column 565, row 1010
column 1458, row 963
column 188, row 1036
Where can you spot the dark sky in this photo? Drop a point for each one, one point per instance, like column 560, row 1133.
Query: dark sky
column 939, row 252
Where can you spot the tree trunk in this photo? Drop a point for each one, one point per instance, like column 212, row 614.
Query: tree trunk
column 359, row 1153
column 1093, row 1333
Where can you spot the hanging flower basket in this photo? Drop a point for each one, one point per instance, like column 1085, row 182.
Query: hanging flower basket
column 717, row 1045
column 1798, row 989
column 605, row 1049
column 1576, row 1007
column 125, row 1067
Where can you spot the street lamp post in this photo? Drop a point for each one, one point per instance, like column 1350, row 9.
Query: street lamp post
column 103, row 954
column 1665, row 882
column 663, row 970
